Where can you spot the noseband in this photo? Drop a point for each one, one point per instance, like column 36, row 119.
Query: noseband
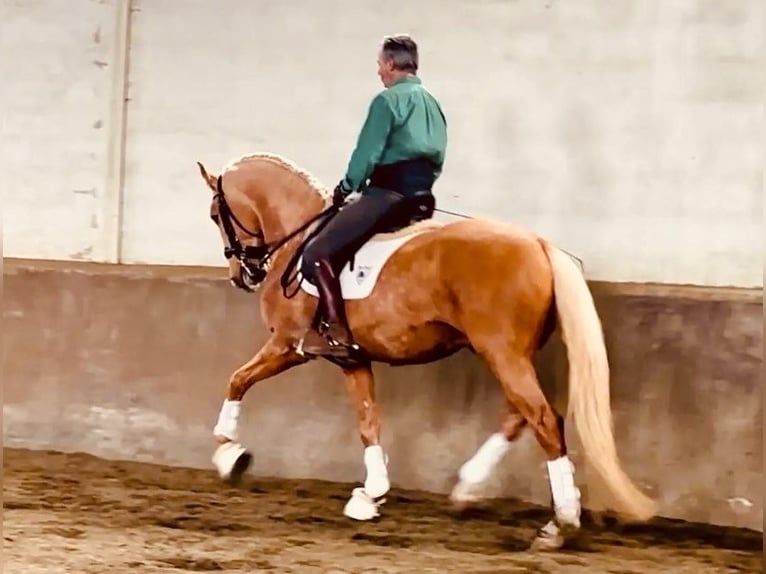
column 254, row 259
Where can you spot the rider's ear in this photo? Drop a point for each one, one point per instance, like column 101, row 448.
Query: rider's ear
column 209, row 179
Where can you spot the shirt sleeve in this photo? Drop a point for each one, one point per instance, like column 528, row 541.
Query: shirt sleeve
column 370, row 144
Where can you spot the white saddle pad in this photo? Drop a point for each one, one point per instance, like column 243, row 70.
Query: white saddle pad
column 368, row 262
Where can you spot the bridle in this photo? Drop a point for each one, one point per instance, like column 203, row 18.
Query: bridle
column 254, row 259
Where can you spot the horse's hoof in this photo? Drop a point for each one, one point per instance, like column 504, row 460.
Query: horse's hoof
column 232, row 461
column 548, row 538
column 361, row 507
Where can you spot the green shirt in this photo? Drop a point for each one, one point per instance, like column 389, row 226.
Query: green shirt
column 404, row 122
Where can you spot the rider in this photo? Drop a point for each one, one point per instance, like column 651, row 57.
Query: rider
column 401, row 149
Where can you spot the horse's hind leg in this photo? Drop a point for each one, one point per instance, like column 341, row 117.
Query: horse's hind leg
column 522, row 389
column 477, row 469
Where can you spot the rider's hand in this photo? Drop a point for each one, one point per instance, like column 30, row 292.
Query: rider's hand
column 339, row 194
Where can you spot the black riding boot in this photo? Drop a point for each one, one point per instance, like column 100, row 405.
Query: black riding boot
column 333, row 336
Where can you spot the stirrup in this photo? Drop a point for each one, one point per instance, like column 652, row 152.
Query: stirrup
column 323, row 330
column 352, row 346
column 333, row 343
column 329, row 346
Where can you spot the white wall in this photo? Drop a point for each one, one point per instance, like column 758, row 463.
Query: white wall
column 628, row 134
column 56, row 63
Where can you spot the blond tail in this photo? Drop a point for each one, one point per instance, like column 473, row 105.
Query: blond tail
column 589, row 383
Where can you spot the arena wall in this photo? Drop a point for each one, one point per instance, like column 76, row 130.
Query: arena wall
column 627, row 135
column 134, row 363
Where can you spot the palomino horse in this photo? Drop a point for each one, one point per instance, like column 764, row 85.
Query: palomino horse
column 493, row 288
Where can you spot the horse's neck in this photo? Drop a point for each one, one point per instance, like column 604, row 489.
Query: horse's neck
column 284, row 203
column 279, row 219
column 286, row 254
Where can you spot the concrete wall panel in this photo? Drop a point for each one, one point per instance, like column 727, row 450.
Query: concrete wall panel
column 134, row 365
column 629, row 136
column 57, row 62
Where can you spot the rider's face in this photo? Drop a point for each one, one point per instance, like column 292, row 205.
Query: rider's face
column 385, row 69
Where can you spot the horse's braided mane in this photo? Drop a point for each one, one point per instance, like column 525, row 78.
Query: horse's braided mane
column 308, row 177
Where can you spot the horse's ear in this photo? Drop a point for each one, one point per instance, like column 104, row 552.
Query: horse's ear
column 209, row 179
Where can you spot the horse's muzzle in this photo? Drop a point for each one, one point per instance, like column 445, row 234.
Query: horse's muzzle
column 249, row 277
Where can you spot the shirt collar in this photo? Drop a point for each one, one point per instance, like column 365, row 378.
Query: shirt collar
column 408, row 79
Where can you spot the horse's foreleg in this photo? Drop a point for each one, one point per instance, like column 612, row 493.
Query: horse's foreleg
column 231, row 459
column 477, row 469
column 363, row 504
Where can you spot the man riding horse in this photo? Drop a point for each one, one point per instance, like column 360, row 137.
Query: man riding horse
column 401, row 149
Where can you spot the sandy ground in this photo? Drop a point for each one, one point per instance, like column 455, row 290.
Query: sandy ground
column 77, row 513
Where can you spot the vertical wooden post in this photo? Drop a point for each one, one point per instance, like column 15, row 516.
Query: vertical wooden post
column 112, row 198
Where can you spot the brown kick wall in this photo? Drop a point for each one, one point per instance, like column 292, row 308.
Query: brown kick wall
column 132, row 363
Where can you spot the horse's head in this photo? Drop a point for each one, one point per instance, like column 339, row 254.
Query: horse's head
column 265, row 202
column 244, row 243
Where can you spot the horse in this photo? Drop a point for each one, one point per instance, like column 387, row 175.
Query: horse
column 433, row 288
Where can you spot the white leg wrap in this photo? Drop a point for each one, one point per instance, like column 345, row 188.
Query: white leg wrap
column 478, row 468
column 227, row 420
column 376, row 484
column 566, row 495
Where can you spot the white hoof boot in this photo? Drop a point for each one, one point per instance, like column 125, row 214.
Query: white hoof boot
column 361, row 507
column 548, row 538
column 465, row 494
column 231, row 460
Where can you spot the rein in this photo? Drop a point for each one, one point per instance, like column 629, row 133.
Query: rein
column 447, row 212
column 253, row 259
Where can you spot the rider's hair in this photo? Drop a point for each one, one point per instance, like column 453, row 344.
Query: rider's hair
column 402, row 50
